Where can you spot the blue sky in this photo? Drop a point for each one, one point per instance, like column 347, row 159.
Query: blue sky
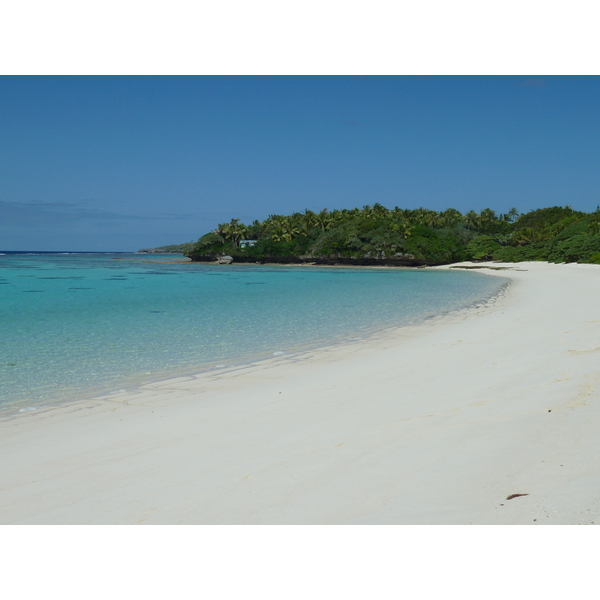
column 121, row 163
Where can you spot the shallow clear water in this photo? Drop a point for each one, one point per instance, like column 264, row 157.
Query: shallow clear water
column 71, row 324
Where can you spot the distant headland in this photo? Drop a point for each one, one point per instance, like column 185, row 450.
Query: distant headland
column 172, row 249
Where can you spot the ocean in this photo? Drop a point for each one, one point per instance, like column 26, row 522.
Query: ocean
column 73, row 325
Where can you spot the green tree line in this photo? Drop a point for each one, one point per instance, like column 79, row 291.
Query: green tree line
column 409, row 236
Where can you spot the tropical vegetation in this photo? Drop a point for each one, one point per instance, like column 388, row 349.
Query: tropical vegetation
column 378, row 235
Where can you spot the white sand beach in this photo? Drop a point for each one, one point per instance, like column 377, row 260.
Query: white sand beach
column 436, row 423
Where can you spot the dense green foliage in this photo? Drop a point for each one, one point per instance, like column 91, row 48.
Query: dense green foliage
column 556, row 234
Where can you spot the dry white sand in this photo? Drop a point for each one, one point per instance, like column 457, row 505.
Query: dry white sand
column 436, row 423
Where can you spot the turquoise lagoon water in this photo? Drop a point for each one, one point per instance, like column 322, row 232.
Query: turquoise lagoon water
column 71, row 325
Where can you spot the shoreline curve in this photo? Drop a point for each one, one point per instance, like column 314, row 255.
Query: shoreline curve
column 435, row 423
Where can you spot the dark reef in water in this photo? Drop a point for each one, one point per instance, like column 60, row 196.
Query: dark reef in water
column 326, row 261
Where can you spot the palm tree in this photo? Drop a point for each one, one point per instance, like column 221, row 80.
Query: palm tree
column 282, row 232
column 237, row 231
column 278, row 233
column 472, row 220
column 512, row 214
column 260, row 227
column 324, row 220
column 525, row 236
column 379, row 210
column 234, row 231
column 222, row 231
column 309, row 220
column 431, row 218
column 410, row 214
column 487, row 215
column 450, row 217
column 398, row 213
